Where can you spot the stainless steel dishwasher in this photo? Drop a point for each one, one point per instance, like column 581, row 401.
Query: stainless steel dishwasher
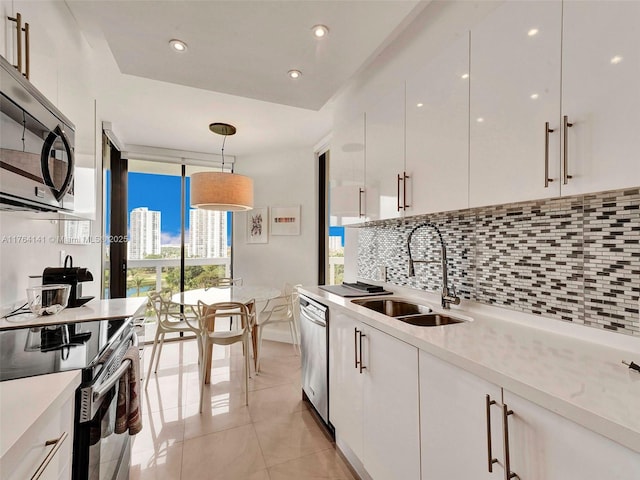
column 314, row 335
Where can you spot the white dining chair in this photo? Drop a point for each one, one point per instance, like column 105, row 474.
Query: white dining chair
column 280, row 309
column 169, row 319
column 223, row 282
column 207, row 315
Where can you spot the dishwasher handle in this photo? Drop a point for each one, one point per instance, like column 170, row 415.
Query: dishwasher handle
column 313, row 318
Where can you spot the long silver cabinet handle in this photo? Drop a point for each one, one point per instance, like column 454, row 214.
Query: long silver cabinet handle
column 26, row 47
column 508, row 474
column 362, row 367
column 355, row 346
column 57, row 443
column 404, row 190
column 18, row 20
column 360, row 192
column 490, row 459
column 565, row 161
column 398, row 193
column 547, row 131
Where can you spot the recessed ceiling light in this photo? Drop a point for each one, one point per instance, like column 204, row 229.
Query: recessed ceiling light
column 464, row 76
column 617, row 59
column 294, row 73
column 178, row 45
column 532, row 32
column 479, row 119
column 534, row 96
column 320, row 31
column 419, row 105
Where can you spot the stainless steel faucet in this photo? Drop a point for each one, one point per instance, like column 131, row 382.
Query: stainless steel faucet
column 448, row 295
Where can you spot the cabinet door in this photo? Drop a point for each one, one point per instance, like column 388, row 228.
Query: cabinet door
column 601, row 94
column 52, row 425
column 346, row 173
column 438, row 133
column 385, row 155
column 345, row 382
column 515, row 91
column 391, row 410
column 453, row 422
column 546, row 445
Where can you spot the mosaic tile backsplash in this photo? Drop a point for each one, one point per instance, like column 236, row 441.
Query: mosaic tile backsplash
column 575, row 259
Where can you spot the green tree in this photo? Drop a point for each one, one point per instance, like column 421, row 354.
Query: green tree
column 136, row 282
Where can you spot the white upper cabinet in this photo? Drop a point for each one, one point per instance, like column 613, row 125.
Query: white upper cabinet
column 385, row 129
column 601, row 94
column 437, row 142
column 346, row 173
column 515, row 92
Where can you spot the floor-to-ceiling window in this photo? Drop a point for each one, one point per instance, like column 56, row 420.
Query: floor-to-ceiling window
column 168, row 244
column 331, row 233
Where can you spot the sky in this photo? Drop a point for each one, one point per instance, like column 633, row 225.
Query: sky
column 160, row 193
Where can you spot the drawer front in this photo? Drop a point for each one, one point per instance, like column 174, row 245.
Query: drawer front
column 48, row 447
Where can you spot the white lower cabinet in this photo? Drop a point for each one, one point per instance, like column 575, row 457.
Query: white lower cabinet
column 453, row 423
column 544, row 445
column 373, row 385
column 46, row 448
column 456, row 423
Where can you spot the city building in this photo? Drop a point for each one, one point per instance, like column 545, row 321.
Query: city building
column 207, row 234
column 144, row 233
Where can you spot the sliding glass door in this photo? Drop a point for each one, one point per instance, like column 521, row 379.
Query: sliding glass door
column 169, row 246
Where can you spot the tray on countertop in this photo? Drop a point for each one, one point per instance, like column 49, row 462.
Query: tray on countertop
column 355, row 290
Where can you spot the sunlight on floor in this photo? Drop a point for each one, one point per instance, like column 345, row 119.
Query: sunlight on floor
column 274, row 438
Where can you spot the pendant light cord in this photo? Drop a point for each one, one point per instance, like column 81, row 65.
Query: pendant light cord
column 223, row 141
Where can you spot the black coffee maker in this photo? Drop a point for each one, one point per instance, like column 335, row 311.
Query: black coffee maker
column 71, row 275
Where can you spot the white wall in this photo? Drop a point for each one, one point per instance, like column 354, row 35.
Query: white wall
column 62, row 69
column 284, row 179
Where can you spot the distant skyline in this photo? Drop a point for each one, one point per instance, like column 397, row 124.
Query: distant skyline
column 160, row 193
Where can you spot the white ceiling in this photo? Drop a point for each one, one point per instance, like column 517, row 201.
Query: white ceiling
column 235, row 67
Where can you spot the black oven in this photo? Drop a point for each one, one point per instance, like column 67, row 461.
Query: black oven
column 97, row 348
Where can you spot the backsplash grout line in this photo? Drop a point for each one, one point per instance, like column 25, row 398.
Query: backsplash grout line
column 573, row 259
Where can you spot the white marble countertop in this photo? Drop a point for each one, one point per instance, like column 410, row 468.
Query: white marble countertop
column 572, row 370
column 95, row 309
column 25, row 400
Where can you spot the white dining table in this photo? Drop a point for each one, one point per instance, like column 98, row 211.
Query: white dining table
column 235, row 293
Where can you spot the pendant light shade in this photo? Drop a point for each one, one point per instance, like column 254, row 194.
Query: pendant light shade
column 222, row 190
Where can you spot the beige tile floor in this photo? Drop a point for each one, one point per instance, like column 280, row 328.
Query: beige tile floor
column 274, row 438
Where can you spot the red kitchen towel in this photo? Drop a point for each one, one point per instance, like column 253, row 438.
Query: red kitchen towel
column 128, row 415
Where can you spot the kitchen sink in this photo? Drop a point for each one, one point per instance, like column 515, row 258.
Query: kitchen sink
column 429, row 320
column 407, row 312
column 393, row 307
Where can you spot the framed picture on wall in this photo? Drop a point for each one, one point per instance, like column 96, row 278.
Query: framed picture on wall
column 257, row 225
column 285, row 220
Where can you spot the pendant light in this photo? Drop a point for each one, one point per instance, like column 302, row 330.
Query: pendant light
column 221, row 190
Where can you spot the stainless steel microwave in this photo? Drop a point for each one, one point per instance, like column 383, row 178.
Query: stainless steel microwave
column 36, row 148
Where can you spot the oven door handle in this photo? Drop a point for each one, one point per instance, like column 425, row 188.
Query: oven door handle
column 91, row 395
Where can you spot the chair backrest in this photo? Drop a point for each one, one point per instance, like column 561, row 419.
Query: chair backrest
column 207, row 313
column 168, row 312
column 222, row 282
column 281, row 308
column 291, row 292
